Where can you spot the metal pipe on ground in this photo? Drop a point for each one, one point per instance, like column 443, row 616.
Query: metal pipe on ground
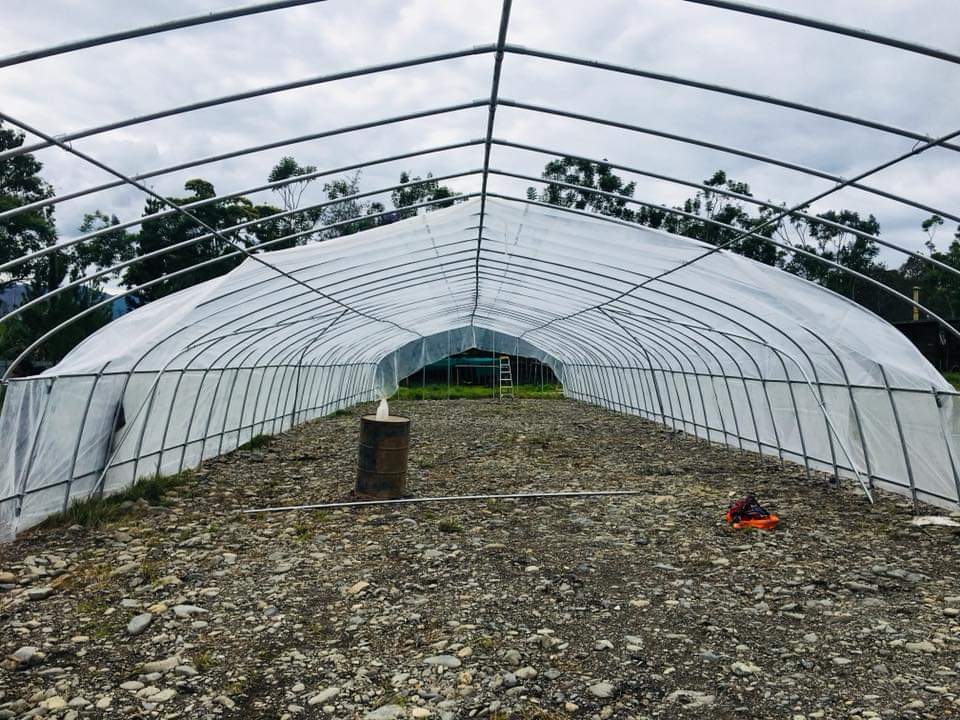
column 448, row 498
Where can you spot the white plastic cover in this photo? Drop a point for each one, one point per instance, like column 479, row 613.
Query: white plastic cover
column 726, row 348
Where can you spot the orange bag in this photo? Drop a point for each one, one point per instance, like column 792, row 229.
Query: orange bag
column 747, row 512
column 767, row 523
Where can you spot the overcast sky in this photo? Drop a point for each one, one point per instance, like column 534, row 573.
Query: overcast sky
column 112, row 82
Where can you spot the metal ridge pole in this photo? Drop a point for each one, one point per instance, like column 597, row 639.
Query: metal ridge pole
column 817, row 24
column 31, row 55
column 488, row 144
column 248, row 94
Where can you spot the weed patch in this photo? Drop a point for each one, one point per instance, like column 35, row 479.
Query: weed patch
column 94, row 512
column 256, row 442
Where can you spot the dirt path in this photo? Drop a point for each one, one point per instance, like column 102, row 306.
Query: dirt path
column 636, row 607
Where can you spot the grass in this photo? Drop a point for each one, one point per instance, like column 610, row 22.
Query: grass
column 94, row 512
column 255, row 443
column 440, row 391
column 953, row 378
column 203, row 661
column 449, row 526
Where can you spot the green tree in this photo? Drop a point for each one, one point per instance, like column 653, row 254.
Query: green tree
column 417, row 190
column 21, row 184
column 711, row 208
column 838, row 245
column 291, row 196
column 291, row 193
column 939, row 289
column 160, row 233
column 349, row 209
column 596, row 176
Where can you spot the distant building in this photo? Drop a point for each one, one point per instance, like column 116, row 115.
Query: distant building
column 940, row 347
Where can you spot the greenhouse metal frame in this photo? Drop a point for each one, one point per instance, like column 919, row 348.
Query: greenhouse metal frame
column 688, row 335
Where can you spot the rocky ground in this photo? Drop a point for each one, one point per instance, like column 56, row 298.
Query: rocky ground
column 636, row 607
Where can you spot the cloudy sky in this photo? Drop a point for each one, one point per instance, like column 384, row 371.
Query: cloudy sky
column 113, row 82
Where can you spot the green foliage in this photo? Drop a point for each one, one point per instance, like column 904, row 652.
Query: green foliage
column 349, row 209
column 256, row 442
column 95, row 512
column 291, row 193
column 204, row 661
column 21, row 184
column 299, row 224
column 20, row 332
column 29, row 232
column 714, row 207
column 417, row 190
column 584, row 173
column 173, row 229
column 953, row 378
column 473, row 392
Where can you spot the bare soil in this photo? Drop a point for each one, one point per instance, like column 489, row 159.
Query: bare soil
column 616, row 607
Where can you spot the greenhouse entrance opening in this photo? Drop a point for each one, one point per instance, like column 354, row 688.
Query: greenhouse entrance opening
column 477, row 373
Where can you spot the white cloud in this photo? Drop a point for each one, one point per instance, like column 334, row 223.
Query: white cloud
column 95, row 86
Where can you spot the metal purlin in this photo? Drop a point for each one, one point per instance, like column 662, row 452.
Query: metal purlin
column 212, row 261
column 388, row 121
column 157, row 196
column 242, row 152
column 819, row 196
column 866, row 454
column 728, row 5
column 720, row 147
column 209, row 236
column 179, row 24
column 149, row 400
column 886, row 479
column 270, row 90
column 274, row 217
column 789, row 339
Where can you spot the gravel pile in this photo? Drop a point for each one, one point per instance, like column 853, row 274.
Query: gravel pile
column 647, row 606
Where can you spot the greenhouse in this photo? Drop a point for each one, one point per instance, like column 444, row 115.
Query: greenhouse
column 685, row 333
column 516, row 360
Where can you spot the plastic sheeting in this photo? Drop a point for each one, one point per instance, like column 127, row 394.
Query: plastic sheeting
column 725, row 348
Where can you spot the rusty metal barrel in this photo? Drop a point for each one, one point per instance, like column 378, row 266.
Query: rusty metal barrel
column 382, row 462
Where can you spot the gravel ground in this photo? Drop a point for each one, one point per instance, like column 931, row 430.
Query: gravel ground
column 636, row 607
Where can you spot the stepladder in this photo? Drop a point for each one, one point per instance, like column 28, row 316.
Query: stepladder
column 506, row 378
